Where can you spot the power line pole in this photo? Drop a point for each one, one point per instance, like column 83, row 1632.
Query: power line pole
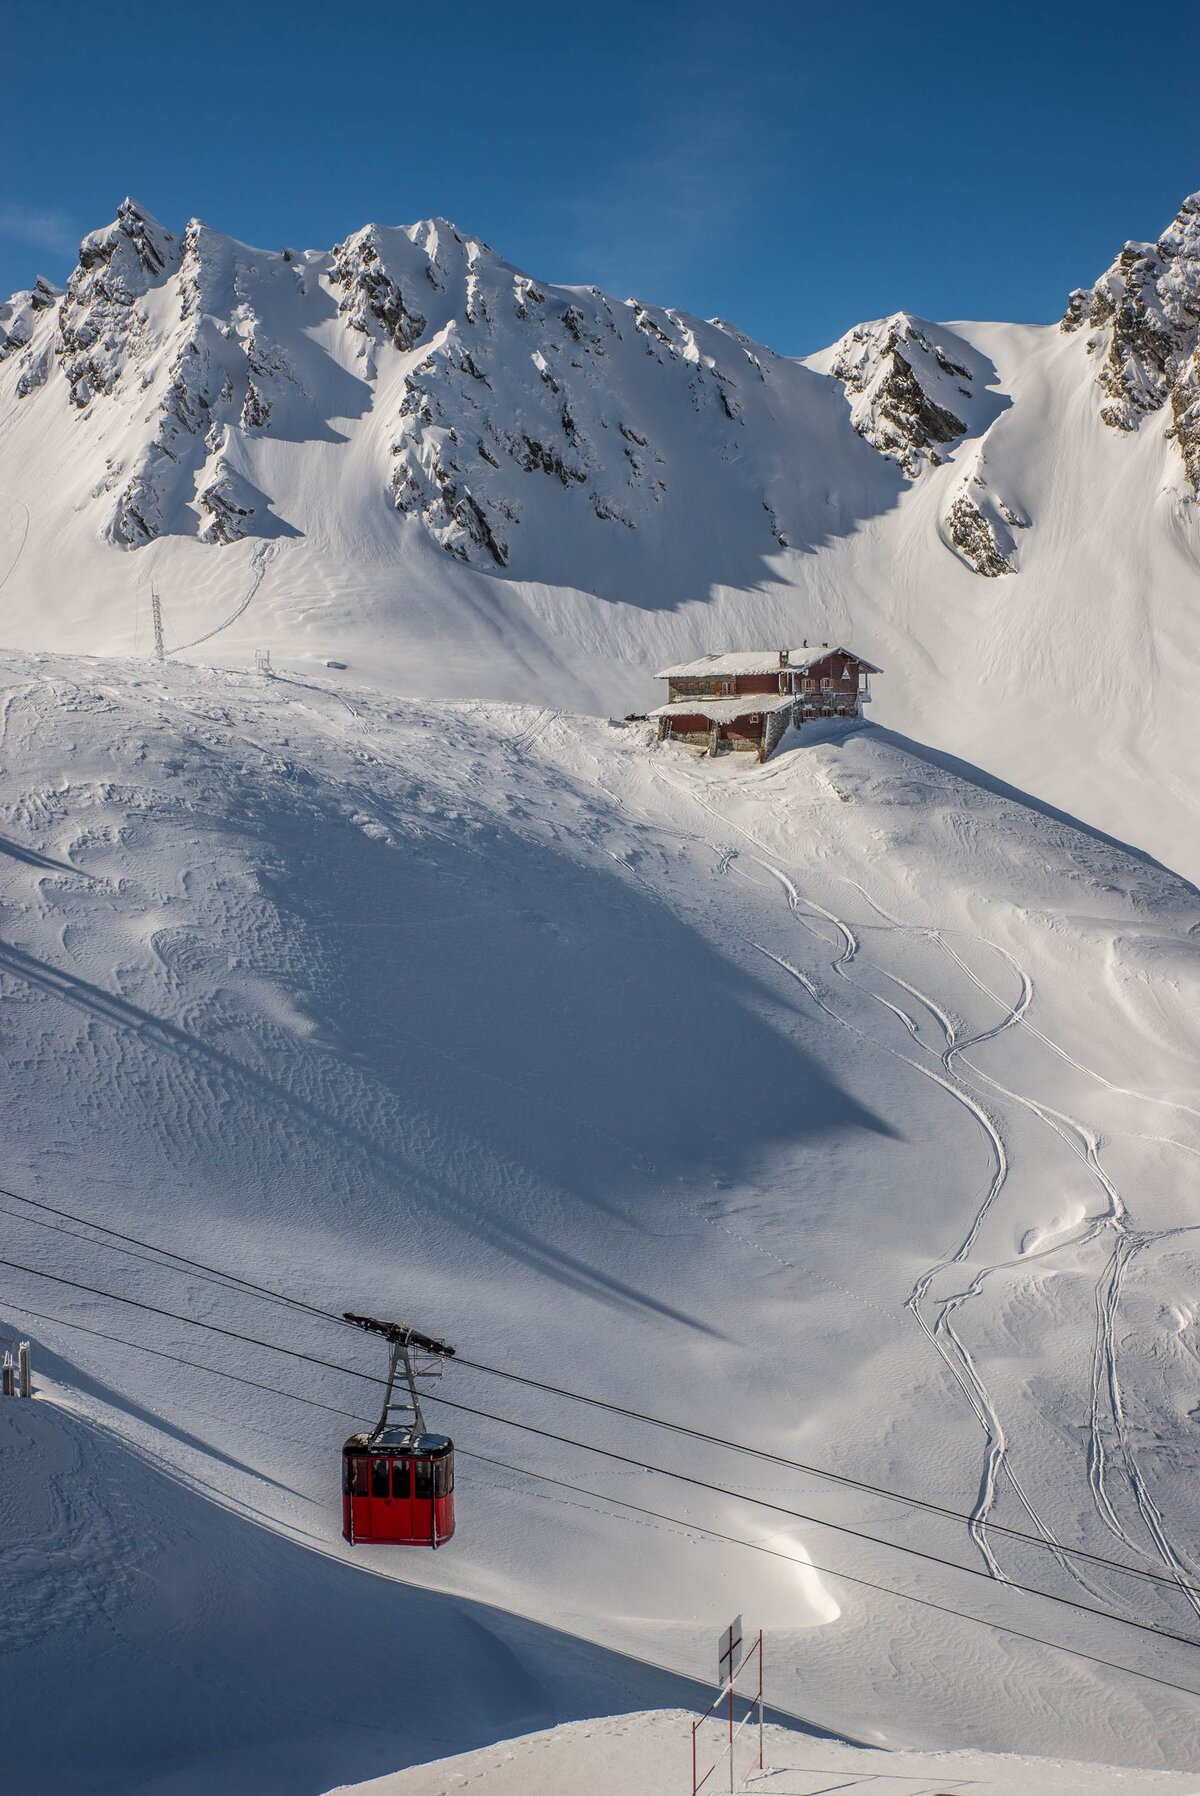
column 160, row 653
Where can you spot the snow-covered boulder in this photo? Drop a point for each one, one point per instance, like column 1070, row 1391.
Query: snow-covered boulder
column 229, row 503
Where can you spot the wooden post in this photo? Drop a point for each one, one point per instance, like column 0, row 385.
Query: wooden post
column 25, row 1370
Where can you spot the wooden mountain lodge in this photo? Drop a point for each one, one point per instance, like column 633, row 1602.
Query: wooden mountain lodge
column 747, row 699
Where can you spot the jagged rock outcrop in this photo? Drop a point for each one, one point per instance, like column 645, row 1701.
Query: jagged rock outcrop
column 101, row 321
column 1144, row 316
column 974, row 536
column 978, row 524
column 19, row 314
column 908, row 396
column 369, row 296
column 228, row 503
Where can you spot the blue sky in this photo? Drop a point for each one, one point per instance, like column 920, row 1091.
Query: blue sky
column 794, row 168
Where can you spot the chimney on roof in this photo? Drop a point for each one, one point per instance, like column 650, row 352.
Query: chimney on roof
column 783, row 657
column 824, row 645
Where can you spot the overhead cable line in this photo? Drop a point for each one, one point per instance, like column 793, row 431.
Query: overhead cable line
column 232, row 1281
column 273, row 1390
column 622, row 1459
column 807, row 1564
column 640, row 1509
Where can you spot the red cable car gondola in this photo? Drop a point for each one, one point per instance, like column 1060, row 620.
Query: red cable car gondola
column 398, row 1482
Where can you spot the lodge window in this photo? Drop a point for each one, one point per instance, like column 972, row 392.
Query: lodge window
column 401, row 1478
column 826, row 684
column 380, row 1480
column 423, row 1480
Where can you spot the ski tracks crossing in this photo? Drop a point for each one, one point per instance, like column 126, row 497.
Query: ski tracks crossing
column 1107, row 1404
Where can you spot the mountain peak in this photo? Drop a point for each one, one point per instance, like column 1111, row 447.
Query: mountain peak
column 909, row 395
column 1143, row 318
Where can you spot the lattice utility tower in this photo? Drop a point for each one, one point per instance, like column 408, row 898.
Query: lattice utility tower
column 160, row 653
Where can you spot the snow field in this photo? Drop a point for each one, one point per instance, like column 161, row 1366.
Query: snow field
column 642, row 1752
column 843, row 1106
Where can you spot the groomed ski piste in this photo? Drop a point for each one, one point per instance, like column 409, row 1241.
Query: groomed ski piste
column 843, row 1106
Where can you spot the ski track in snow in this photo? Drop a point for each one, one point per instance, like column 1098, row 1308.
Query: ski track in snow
column 11, row 569
column 1107, row 1407
column 258, row 568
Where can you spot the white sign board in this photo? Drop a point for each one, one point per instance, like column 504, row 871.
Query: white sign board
column 729, row 1651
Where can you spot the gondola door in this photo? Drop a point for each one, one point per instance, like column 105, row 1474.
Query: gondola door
column 402, row 1505
column 382, row 1520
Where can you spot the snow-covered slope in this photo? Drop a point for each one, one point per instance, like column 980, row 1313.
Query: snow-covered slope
column 626, row 1755
column 408, row 455
column 845, row 1105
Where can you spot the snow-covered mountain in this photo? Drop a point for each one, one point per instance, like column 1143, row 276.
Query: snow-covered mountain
column 844, row 1105
column 406, row 454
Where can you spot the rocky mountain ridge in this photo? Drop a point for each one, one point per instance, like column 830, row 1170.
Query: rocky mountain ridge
column 187, row 323
column 1143, row 320
column 185, row 352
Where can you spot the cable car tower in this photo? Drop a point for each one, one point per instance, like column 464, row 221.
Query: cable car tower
column 398, row 1481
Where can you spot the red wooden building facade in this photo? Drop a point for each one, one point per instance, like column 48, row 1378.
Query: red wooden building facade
column 748, row 698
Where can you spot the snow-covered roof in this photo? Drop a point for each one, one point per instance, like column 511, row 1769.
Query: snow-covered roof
column 725, row 710
column 746, row 662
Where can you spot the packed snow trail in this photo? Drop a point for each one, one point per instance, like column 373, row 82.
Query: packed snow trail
column 258, row 568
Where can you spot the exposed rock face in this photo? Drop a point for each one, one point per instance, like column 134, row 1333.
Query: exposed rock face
column 974, row 537
column 18, row 315
column 228, row 502
column 978, row 524
column 1144, row 315
column 907, row 395
column 1185, row 414
column 101, row 321
column 517, row 382
column 369, row 295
